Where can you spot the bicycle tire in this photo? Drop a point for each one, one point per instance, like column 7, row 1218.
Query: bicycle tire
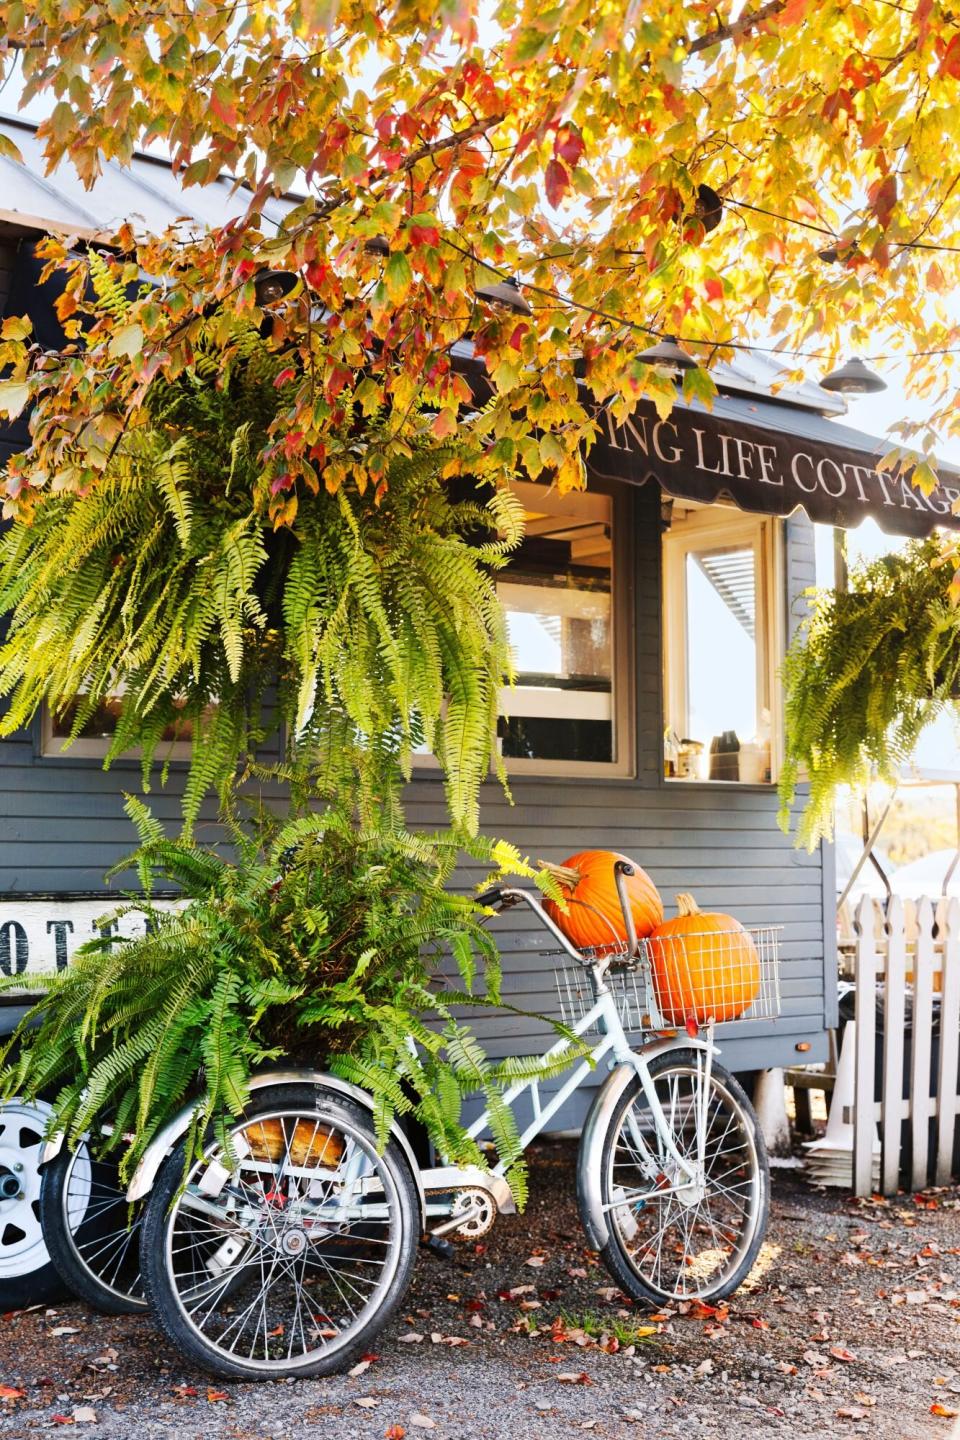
column 175, row 1247
column 88, row 1231
column 678, row 1213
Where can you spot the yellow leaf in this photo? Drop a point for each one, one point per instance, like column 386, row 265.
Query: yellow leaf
column 14, row 395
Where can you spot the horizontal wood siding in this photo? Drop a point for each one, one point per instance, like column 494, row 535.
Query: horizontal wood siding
column 62, row 825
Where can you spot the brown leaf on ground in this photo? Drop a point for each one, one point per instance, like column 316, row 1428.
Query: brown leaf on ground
column 572, row 1377
column 840, row 1352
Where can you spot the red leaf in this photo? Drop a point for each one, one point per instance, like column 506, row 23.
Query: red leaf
column 950, row 60
column 568, row 145
column 9, row 1392
column 221, row 103
column 883, row 197
column 948, row 1410
column 216, row 1395
column 394, row 1432
column 556, row 182
column 714, row 289
column 285, row 375
column 316, row 272
column 424, row 235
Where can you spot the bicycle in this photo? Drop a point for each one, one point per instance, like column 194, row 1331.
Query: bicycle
column 287, row 1254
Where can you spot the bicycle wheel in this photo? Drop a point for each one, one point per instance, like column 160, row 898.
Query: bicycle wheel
column 673, row 1237
column 93, row 1240
column 289, row 1258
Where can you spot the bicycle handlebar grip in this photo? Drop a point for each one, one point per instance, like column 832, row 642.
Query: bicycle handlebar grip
column 493, row 896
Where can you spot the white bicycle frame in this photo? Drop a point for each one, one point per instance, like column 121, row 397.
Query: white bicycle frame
column 612, row 1047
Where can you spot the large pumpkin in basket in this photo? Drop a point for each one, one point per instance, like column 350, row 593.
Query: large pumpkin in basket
column 705, row 966
column 593, row 917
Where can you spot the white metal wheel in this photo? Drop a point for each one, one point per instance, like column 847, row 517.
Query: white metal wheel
column 26, row 1275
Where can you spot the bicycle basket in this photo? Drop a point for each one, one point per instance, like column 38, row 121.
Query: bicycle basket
column 714, row 976
column 720, row 977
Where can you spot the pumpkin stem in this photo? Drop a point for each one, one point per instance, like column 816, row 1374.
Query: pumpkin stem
column 566, row 874
column 686, row 905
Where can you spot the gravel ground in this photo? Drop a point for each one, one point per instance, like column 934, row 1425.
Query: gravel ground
column 850, row 1326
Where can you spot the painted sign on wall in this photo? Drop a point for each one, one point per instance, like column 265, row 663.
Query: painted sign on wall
column 41, row 935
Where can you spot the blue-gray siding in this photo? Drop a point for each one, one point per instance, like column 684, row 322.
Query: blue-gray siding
column 62, row 825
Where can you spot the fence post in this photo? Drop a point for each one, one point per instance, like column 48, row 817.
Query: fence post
column 894, row 1011
column 949, row 1042
column 864, row 1123
column 920, row 1048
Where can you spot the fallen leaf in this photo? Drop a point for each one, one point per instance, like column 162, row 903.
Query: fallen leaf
column 946, row 1410
column 366, row 1402
column 61, row 1420
column 359, row 1368
column 65, row 1330
column 423, row 1422
column 573, row 1377
column 851, row 1412
column 863, row 1399
column 9, row 1392
column 394, row 1432
column 839, row 1352
column 705, row 1367
column 185, row 1390
column 577, row 1272
column 215, row 1396
column 536, row 1260
column 83, row 1415
column 410, row 1338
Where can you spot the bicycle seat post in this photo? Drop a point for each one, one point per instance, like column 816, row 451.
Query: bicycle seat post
column 622, row 870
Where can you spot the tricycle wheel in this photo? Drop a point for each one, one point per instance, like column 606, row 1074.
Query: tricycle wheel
column 287, row 1252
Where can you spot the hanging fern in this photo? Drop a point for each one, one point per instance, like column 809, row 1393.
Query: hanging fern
column 320, row 943
column 869, row 669
column 367, row 628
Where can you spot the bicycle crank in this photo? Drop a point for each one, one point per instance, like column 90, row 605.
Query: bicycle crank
column 472, row 1214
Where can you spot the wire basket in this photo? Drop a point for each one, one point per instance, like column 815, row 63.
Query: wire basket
column 710, row 977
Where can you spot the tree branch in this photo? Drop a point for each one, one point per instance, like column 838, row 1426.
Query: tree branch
column 738, row 27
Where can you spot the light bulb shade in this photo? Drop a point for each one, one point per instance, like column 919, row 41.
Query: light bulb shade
column 504, row 292
column 854, row 378
column 272, row 285
column 709, row 207
column 668, row 354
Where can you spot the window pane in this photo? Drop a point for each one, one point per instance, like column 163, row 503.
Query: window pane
column 721, row 589
column 557, row 594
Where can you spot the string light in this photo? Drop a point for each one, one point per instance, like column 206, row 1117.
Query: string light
column 648, row 330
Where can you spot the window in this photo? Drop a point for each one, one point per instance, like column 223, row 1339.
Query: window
column 562, row 593
column 94, row 739
column 723, row 638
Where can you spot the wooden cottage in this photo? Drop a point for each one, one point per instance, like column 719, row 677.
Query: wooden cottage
column 649, row 616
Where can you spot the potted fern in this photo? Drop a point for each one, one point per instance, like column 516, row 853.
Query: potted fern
column 868, row 670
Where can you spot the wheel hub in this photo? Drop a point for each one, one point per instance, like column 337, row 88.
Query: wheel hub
column 293, row 1241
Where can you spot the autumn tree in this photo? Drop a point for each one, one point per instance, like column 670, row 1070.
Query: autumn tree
column 772, row 175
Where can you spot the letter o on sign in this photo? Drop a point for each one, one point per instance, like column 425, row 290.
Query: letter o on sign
column 841, row 478
column 14, row 950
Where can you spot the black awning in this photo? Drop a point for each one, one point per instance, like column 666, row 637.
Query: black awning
column 770, row 458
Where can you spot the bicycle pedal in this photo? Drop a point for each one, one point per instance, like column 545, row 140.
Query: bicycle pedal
column 440, row 1247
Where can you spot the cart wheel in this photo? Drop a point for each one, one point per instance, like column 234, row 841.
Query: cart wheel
column 27, row 1275
column 287, row 1256
column 93, row 1239
column 673, row 1238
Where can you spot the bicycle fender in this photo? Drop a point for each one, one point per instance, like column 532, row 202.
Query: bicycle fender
column 599, row 1117
column 174, row 1130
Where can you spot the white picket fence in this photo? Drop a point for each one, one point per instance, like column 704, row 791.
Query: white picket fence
column 906, row 953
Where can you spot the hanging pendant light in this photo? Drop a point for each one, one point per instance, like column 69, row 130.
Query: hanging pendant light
column 269, row 286
column 854, row 378
column 505, row 292
column 668, row 354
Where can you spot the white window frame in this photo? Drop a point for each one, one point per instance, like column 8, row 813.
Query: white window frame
column 716, row 527
column 95, row 747
column 528, row 700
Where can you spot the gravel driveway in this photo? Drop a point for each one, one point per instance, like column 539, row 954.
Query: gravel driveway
column 852, row 1327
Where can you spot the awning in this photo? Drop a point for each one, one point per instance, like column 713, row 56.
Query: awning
column 771, row 459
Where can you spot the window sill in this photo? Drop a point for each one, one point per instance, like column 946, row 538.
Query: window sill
column 763, row 786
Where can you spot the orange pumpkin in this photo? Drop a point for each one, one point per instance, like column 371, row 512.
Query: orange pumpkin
column 705, row 966
column 593, row 916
